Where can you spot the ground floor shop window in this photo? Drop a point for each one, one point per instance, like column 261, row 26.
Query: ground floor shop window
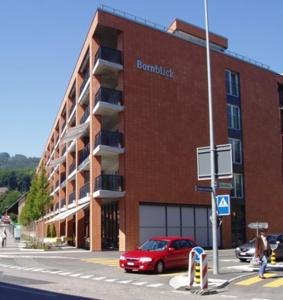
column 166, row 220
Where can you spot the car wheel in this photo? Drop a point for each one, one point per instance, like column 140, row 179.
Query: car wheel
column 128, row 270
column 159, row 267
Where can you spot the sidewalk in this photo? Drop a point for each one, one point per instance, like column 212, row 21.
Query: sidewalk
column 10, row 243
column 224, row 278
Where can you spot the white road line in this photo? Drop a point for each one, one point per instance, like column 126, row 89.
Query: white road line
column 55, row 272
column 228, row 296
column 98, row 278
column 64, row 273
column 76, row 275
column 260, row 299
column 110, row 280
column 86, row 276
column 124, row 281
column 140, row 283
column 37, row 270
column 155, row 285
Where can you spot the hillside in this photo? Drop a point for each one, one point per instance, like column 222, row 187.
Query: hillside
column 18, row 161
column 16, row 171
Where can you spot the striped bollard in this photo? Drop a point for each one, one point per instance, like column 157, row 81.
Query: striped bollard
column 191, row 269
column 273, row 258
column 203, row 271
column 197, row 273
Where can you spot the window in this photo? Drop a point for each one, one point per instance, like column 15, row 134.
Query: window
column 237, row 192
column 233, row 116
column 236, row 150
column 232, row 83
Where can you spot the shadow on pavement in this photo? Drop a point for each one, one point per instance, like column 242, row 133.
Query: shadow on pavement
column 16, row 292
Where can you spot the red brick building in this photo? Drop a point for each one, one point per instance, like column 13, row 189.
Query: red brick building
column 121, row 155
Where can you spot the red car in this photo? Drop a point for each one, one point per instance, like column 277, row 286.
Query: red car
column 158, row 254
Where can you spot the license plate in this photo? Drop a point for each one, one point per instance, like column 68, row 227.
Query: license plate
column 130, row 264
column 242, row 253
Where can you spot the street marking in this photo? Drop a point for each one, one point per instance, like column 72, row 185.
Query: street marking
column 254, row 280
column 37, row 270
column 64, row 274
column 86, row 276
column 98, row 278
column 275, row 283
column 76, row 275
column 103, row 261
column 55, row 272
column 173, row 274
column 228, row 296
column 124, row 281
column 140, row 283
column 155, row 285
column 110, row 280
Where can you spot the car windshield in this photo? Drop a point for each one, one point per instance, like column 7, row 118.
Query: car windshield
column 153, row 245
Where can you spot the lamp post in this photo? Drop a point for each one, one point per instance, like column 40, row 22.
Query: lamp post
column 212, row 149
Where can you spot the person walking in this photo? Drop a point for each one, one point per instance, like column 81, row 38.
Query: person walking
column 262, row 251
column 4, row 238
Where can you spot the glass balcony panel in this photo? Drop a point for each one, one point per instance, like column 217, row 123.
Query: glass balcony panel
column 109, row 138
column 109, row 54
column 109, row 182
column 84, row 190
column 108, row 95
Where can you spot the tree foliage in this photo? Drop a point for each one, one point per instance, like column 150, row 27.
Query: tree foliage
column 16, row 179
column 18, row 161
column 7, row 199
column 37, row 200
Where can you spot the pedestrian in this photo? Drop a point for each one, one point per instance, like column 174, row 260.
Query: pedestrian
column 262, row 251
column 4, row 238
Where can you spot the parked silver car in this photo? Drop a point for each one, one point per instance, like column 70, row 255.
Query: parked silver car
column 246, row 251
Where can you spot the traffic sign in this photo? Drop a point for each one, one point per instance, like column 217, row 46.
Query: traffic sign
column 224, row 185
column 198, row 251
column 207, row 189
column 258, row 225
column 223, row 205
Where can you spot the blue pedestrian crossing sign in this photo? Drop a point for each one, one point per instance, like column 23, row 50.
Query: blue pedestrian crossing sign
column 223, row 205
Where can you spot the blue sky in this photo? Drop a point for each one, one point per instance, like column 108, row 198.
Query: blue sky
column 41, row 41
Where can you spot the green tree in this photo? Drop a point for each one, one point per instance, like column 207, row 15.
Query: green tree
column 38, row 199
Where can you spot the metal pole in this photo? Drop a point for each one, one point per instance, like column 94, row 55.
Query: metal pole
column 212, row 149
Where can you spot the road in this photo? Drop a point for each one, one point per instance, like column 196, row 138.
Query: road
column 74, row 274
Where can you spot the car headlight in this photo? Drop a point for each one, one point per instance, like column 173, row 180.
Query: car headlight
column 145, row 259
column 238, row 249
column 122, row 257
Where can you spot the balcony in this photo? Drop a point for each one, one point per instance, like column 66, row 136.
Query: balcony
column 72, row 110
column 84, row 90
column 107, row 101
column 85, row 115
column 72, row 171
column 84, row 158
column 72, row 199
column 84, row 190
column 63, row 179
column 107, row 60
column 63, row 204
column 108, row 186
column 63, row 128
column 108, row 143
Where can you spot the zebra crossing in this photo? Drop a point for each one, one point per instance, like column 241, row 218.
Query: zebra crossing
column 273, row 280
column 84, row 276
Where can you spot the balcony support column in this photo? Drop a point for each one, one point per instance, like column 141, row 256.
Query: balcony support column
column 95, row 226
column 80, row 229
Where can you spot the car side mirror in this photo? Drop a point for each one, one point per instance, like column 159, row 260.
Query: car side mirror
column 170, row 249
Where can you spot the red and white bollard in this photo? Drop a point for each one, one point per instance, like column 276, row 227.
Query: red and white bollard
column 203, row 271
column 191, row 269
